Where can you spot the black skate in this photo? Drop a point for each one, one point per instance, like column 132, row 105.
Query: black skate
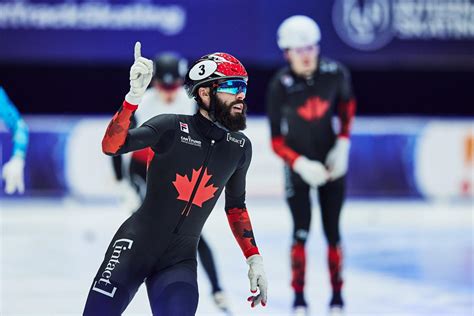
column 336, row 305
column 300, row 308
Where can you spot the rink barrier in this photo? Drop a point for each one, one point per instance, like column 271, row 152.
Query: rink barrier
column 401, row 157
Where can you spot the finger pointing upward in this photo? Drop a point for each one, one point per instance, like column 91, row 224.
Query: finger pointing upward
column 138, row 50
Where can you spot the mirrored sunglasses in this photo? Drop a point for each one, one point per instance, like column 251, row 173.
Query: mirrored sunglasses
column 232, row 86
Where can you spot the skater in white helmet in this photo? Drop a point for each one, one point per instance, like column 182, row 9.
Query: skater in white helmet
column 305, row 95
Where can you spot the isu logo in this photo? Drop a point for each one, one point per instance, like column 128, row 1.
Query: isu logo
column 364, row 25
column 104, row 286
column 313, row 108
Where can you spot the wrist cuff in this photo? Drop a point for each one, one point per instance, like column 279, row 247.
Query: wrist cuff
column 129, row 106
column 250, row 252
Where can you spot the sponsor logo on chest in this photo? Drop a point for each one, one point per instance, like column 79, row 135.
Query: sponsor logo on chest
column 188, row 140
column 239, row 141
column 184, row 127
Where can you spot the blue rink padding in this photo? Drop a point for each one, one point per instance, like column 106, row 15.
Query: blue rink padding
column 383, row 162
column 382, row 166
column 45, row 165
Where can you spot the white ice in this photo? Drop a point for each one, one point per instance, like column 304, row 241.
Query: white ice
column 401, row 257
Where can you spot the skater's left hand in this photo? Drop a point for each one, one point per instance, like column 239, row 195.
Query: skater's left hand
column 12, row 173
column 257, row 280
column 337, row 160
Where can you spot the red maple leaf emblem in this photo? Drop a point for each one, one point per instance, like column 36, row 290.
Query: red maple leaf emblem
column 313, row 108
column 184, row 186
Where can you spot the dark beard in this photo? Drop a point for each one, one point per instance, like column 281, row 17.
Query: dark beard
column 233, row 123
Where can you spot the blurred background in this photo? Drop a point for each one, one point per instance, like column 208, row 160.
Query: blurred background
column 407, row 223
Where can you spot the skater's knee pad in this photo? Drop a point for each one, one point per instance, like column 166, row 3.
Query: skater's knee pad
column 177, row 299
column 300, row 236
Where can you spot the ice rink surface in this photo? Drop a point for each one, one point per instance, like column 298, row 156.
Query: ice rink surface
column 401, row 257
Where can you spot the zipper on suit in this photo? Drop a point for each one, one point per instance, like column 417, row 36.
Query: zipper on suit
column 188, row 206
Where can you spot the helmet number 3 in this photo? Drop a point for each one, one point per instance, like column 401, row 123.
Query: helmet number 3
column 202, row 70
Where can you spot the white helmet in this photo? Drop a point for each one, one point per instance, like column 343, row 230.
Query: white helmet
column 298, row 31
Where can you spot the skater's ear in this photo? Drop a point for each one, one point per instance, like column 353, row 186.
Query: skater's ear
column 204, row 94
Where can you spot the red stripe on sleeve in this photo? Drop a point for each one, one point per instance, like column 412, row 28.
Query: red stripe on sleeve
column 281, row 149
column 241, row 227
column 346, row 115
column 129, row 106
column 117, row 131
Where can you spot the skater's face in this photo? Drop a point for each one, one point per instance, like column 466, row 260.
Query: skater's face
column 231, row 110
column 231, row 94
column 303, row 60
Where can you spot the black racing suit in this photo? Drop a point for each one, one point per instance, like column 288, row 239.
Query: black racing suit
column 192, row 162
column 300, row 111
column 137, row 177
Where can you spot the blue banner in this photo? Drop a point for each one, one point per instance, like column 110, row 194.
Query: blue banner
column 370, row 32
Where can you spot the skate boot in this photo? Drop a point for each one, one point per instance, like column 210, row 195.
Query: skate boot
column 336, row 305
column 300, row 308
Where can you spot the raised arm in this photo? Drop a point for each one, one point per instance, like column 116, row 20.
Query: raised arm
column 117, row 160
column 118, row 139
